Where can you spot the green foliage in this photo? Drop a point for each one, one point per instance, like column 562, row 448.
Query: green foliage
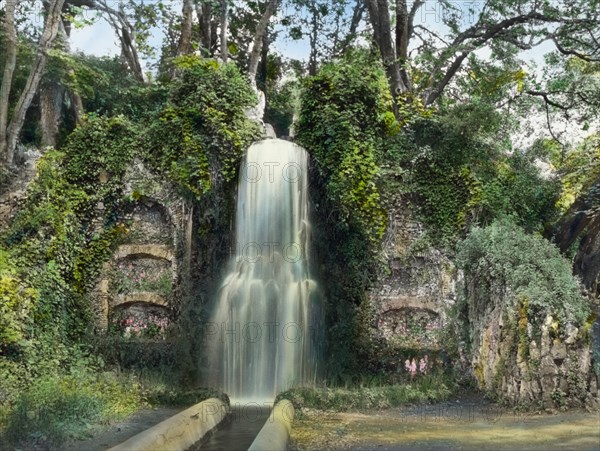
column 429, row 388
column 282, row 102
column 16, row 302
column 342, row 121
column 457, row 168
column 99, row 152
column 502, row 258
column 345, row 120
column 72, row 218
column 203, row 126
column 580, row 169
column 55, row 408
column 50, row 257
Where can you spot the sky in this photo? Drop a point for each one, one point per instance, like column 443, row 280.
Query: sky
column 99, row 39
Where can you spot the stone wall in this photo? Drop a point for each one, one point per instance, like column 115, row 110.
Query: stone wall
column 138, row 291
column 548, row 365
column 410, row 302
column 13, row 194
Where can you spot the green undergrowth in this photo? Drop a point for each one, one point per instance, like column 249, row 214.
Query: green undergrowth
column 505, row 265
column 73, row 217
column 428, row 388
column 68, row 405
column 75, row 405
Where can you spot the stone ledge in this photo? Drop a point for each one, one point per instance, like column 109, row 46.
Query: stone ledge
column 142, row 297
column 389, row 303
column 161, row 251
column 180, row 431
column 275, row 434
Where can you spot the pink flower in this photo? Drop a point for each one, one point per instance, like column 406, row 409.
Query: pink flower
column 411, row 367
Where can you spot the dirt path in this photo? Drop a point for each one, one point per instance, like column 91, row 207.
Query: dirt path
column 461, row 424
column 111, row 435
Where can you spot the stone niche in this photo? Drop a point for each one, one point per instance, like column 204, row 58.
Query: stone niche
column 150, row 224
column 412, row 327
column 411, row 300
column 137, row 291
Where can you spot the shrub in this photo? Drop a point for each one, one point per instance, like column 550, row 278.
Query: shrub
column 503, row 258
column 199, row 137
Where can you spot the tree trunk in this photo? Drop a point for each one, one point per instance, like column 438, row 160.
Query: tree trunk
column 126, row 33
column 224, row 44
column 52, row 94
column 314, row 33
column 51, row 100
column 357, row 15
column 259, row 37
column 9, row 69
column 76, row 106
column 402, row 38
column 185, row 39
column 129, row 52
column 51, row 28
column 204, row 12
column 380, row 19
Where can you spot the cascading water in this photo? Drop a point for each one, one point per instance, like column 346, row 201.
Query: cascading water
column 266, row 318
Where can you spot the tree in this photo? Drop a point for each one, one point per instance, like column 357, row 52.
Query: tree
column 127, row 34
column 8, row 142
column 259, row 37
column 328, row 25
column 224, row 45
column 572, row 25
column 9, row 69
column 187, row 22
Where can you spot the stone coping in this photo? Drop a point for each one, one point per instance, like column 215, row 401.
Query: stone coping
column 275, row 434
column 399, row 302
column 145, row 297
column 180, row 431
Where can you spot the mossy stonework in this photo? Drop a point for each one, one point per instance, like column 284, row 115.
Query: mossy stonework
column 411, row 300
column 527, row 328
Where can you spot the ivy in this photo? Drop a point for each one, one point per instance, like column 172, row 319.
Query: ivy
column 198, row 139
column 343, row 118
column 457, row 168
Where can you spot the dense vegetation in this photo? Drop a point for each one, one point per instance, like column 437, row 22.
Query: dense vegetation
column 384, row 125
column 54, row 249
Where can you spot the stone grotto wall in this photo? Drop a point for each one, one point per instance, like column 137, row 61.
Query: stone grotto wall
column 532, row 361
column 410, row 303
column 138, row 293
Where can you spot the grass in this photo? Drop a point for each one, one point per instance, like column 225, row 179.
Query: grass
column 427, row 388
column 57, row 407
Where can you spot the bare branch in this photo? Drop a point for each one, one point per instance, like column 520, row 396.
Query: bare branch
column 571, row 52
column 432, row 33
column 548, row 101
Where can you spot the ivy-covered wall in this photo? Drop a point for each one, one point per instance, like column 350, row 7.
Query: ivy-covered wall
column 525, row 323
column 173, row 168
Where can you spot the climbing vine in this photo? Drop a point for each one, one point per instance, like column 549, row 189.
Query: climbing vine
column 198, row 139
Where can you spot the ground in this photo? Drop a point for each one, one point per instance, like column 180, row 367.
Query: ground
column 458, row 424
column 465, row 423
column 111, row 435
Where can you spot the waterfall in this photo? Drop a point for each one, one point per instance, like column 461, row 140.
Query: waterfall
column 263, row 333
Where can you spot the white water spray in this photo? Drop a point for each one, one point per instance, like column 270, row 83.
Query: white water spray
column 265, row 324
